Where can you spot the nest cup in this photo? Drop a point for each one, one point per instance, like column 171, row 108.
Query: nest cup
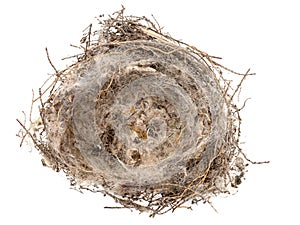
column 141, row 117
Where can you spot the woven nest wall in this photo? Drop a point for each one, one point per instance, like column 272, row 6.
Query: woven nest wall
column 141, row 117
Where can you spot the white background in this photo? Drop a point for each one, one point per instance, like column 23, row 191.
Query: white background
column 262, row 35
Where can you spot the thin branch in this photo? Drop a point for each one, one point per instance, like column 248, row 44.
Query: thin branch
column 252, row 162
column 231, row 71
column 239, row 85
column 159, row 28
column 243, row 105
column 22, row 135
column 48, row 57
column 31, row 107
column 27, row 132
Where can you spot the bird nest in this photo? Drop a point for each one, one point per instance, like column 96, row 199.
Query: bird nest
column 141, row 117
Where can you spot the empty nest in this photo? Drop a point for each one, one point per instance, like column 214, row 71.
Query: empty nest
column 141, row 117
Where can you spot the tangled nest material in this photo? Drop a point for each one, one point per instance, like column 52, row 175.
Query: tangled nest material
column 141, row 117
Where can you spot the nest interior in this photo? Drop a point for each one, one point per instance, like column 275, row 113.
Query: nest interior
column 141, row 117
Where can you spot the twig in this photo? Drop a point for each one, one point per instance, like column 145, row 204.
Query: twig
column 115, row 207
column 231, row 71
column 74, row 46
column 243, row 105
column 31, row 107
column 159, row 28
column 87, row 38
column 249, row 160
column 51, row 85
column 179, row 135
column 239, row 85
column 106, row 89
column 73, row 56
column 27, row 132
column 23, row 135
column 48, row 57
column 40, row 97
column 211, row 205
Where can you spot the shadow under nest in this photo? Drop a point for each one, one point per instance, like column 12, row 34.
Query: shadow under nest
column 141, row 117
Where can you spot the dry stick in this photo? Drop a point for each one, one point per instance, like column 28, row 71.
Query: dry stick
column 31, row 107
column 73, row 56
column 57, row 74
column 115, row 207
column 106, row 89
column 48, row 57
column 239, row 149
column 27, row 132
column 199, row 52
column 237, row 110
column 227, row 89
column 231, row 71
column 239, row 85
column 159, row 27
column 238, row 96
column 129, row 204
column 87, row 38
column 74, row 46
column 46, row 81
column 30, row 120
column 54, row 82
column 40, row 97
column 23, row 135
column 249, row 160
column 179, row 135
column 211, row 205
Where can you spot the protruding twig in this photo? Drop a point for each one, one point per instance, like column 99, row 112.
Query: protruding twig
column 252, row 162
column 48, row 57
column 239, row 85
column 243, row 106
column 27, row 131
